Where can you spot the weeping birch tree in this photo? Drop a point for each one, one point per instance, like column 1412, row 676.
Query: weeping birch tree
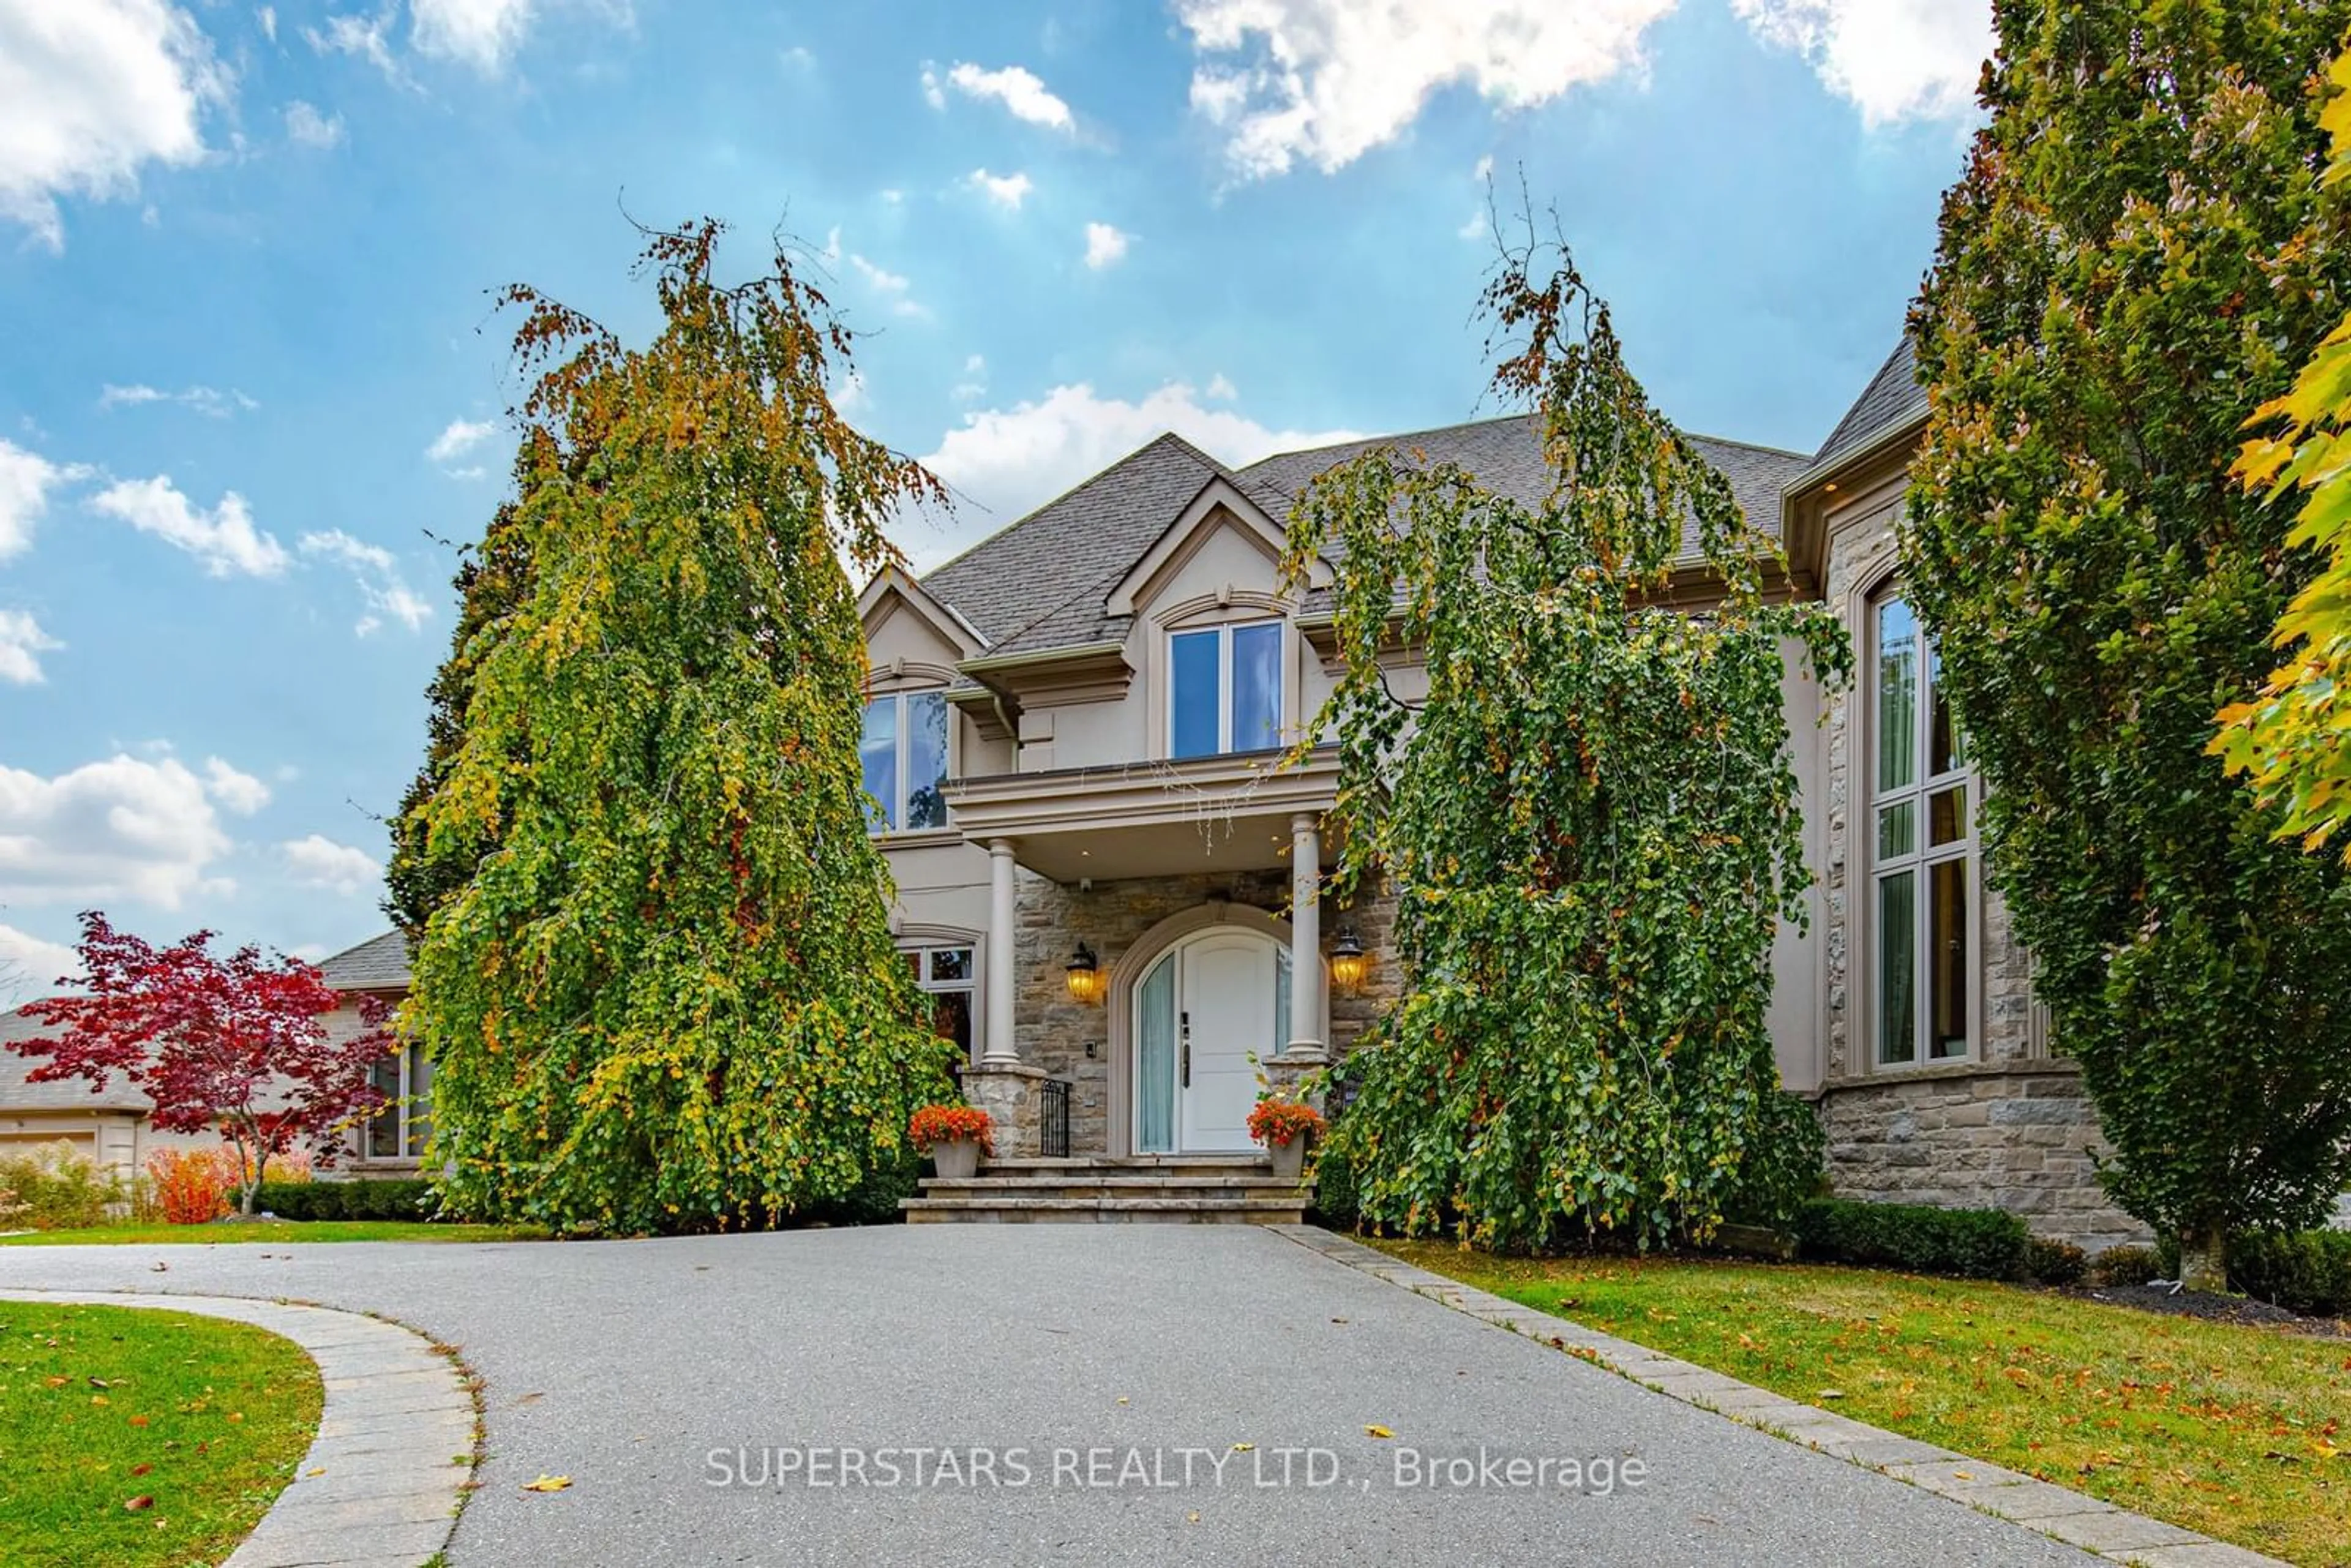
column 660, row 991
column 1590, row 820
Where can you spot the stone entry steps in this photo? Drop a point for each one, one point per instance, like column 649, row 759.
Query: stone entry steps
column 1200, row 1189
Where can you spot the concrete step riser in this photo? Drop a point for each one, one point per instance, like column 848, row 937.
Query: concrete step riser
column 983, row 1215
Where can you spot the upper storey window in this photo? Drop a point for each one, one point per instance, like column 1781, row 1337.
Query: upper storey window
column 1922, row 839
column 1224, row 689
column 905, row 750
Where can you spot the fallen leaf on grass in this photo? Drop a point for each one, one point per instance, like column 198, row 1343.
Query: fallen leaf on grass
column 548, row 1483
column 1832, row 1393
column 139, row 1420
column 1377, row 1431
column 139, row 1504
column 99, row 1383
column 141, row 1469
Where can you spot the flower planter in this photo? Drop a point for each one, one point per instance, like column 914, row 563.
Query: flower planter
column 1289, row 1159
column 958, row 1159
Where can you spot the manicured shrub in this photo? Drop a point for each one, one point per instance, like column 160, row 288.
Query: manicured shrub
column 1978, row 1243
column 2306, row 1272
column 55, row 1187
column 1334, row 1189
column 190, row 1186
column 405, row 1198
column 2127, row 1265
column 875, row 1200
column 2054, row 1262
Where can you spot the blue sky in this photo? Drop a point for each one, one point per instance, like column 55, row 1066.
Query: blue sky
column 254, row 387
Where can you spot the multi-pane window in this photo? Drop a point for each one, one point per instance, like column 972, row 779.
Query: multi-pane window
column 951, row 979
column 397, row 1131
column 1224, row 689
column 1921, row 830
column 905, row 750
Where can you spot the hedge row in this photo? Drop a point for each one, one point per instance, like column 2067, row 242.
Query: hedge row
column 407, row 1197
column 2307, row 1271
column 1977, row 1243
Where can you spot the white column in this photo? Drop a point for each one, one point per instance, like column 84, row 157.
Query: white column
column 1305, row 935
column 1002, row 914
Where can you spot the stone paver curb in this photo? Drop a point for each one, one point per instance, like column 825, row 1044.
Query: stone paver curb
column 381, row 1483
column 2072, row 1517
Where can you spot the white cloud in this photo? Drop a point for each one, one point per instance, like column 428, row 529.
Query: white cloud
column 891, row 286
column 123, row 828
column 460, row 437
column 1896, row 59
column 1017, row 87
column 363, row 37
column 30, row 967
column 1004, row 189
column 1328, row 80
column 268, row 16
column 381, row 587
column 1222, row 387
column 1105, row 245
column 848, row 395
column 95, row 90
column 210, row 402
column 1478, row 224
column 799, row 58
column 239, row 792
column 975, row 381
column 319, row 861
column 482, row 33
column 1484, row 170
column 22, row 641
column 309, row 128
column 1004, row 462
column 26, row 480
column 224, row 538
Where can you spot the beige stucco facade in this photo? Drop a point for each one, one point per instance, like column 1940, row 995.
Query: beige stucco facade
column 1071, row 821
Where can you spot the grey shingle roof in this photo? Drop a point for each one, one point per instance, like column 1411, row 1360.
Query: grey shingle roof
column 378, row 964
column 1043, row 582
column 1014, row 578
column 1893, row 397
column 71, row 1094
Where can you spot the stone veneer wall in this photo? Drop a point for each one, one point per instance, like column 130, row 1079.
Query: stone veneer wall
column 1056, row 1032
column 2011, row 1130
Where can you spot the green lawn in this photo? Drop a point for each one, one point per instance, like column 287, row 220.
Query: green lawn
column 276, row 1231
column 2233, row 1431
column 131, row 1438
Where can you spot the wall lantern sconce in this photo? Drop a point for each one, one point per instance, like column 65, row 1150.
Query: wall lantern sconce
column 1085, row 976
column 1350, row 964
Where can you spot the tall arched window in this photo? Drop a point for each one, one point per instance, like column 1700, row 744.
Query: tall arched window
column 1921, row 831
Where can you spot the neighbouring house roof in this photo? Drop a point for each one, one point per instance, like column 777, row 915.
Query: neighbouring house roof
column 1892, row 399
column 1045, row 582
column 69, row 1094
column 378, row 964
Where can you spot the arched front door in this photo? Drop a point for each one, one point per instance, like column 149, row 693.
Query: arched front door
column 1202, row 1010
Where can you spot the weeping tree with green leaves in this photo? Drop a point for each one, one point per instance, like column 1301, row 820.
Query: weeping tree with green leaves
column 2140, row 253
column 1590, row 819
column 656, row 977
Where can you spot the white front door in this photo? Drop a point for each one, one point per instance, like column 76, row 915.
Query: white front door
column 1202, row 1012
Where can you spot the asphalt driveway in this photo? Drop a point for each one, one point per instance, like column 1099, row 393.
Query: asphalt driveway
column 785, row 1398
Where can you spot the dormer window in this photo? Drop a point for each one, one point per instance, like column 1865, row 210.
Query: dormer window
column 1224, row 689
column 905, row 750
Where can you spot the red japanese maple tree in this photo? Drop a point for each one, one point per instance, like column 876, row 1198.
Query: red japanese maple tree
column 238, row 1044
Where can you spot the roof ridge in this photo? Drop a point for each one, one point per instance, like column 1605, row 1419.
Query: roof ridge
column 1386, row 438
column 1045, row 506
column 1747, row 445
